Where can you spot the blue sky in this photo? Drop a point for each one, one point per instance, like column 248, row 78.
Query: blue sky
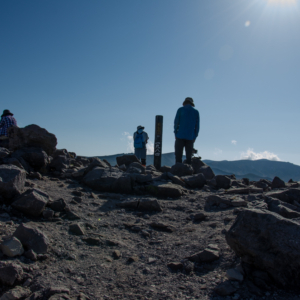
column 92, row 71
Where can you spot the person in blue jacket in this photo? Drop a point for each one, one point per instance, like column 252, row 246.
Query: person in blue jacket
column 186, row 129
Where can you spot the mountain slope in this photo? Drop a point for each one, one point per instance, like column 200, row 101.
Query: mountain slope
column 252, row 169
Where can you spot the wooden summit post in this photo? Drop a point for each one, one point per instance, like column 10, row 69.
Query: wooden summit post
column 158, row 141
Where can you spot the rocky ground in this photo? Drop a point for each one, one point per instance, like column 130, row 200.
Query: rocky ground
column 173, row 233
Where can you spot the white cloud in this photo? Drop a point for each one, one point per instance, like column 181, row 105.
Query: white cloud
column 234, row 142
column 251, row 155
column 130, row 147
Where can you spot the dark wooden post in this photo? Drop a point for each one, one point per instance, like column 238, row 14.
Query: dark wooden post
column 158, row 141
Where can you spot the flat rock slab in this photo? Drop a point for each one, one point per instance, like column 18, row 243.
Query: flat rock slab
column 12, row 181
column 165, row 190
column 32, row 238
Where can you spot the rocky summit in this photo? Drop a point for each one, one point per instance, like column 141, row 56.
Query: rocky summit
column 75, row 227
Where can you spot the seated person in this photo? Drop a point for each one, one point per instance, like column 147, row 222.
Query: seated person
column 7, row 120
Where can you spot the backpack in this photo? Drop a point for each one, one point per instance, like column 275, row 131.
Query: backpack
column 139, row 141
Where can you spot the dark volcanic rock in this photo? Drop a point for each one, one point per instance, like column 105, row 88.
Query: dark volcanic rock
column 32, row 202
column 12, row 181
column 165, row 190
column 277, row 183
column 36, row 157
column 207, row 172
column 149, row 204
column 3, row 152
column 195, row 181
column 108, row 180
column 32, row 136
column 60, row 162
column 58, row 205
column 197, row 164
column 10, row 273
column 32, row 238
column 223, row 182
column 180, row 169
column 127, row 159
column 268, row 242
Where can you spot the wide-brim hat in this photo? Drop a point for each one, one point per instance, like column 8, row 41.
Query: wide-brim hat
column 6, row 112
column 140, row 127
column 189, row 100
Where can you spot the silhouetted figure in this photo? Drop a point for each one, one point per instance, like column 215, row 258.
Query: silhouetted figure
column 186, row 129
column 140, row 139
column 7, row 120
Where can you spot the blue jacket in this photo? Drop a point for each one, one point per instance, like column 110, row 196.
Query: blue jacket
column 187, row 123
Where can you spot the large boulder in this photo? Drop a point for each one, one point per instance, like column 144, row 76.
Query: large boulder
column 195, row 181
column 32, row 202
column 268, row 242
column 36, row 157
column 12, row 181
column 127, row 159
column 108, row 180
column 223, row 181
column 277, row 183
column 32, row 238
column 180, row 169
column 96, row 162
column 32, row 136
column 291, row 196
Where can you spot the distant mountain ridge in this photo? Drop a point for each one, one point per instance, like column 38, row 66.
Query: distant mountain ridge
column 252, row 169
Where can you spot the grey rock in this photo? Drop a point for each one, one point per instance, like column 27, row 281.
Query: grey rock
column 48, row 214
column 32, row 238
column 16, row 293
column 10, row 273
column 291, row 195
column 32, row 202
column 286, row 210
column 12, row 247
column 200, row 217
column 12, row 161
column 175, row 179
column 139, row 166
column 225, row 289
column 162, row 226
column 207, row 172
column 209, row 254
column 149, row 204
column 143, row 178
column 36, row 157
column 277, row 183
column 30, row 254
column 195, row 181
column 32, row 136
column 12, row 181
column 180, row 169
column 165, row 190
column 126, row 159
column 223, row 182
column 4, row 152
column 59, row 163
column 234, row 274
column 58, row 205
column 197, row 164
column 77, row 229
column 254, row 232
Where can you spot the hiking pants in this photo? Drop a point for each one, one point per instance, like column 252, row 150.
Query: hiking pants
column 141, row 154
column 179, row 145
